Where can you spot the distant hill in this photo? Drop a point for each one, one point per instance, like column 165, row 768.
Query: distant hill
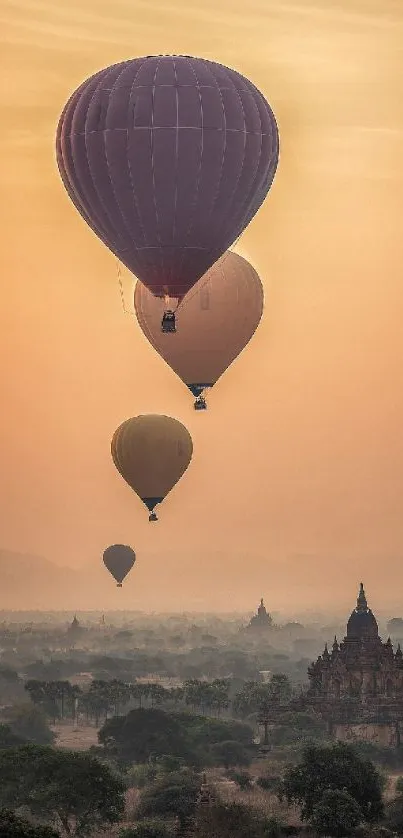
column 33, row 582
column 28, row 581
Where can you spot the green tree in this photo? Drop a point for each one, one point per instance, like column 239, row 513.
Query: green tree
column 11, row 826
column 255, row 697
column 279, row 689
column 8, row 739
column 169, row 764
column 143, row 733
column 139, row 776
column 157, row 694
column 42, row 695
column 231, row 753
column 99, row 699
column 394, row 815
column 73, row 789
column 138, row 692
column 337, row 814
column 337, row 767
column 220, row 688
column 242, row 779
column 118, row 695
column 197, row 694
column 206, row 731
column 172, row 796
column 399, row 785
column 29, row 722
column 36, row 690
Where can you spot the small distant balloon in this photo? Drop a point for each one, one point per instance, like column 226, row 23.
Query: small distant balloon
column 151, row 453
column 119, row 560
column 216, row 320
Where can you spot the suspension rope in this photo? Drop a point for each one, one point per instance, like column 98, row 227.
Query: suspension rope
column 190, row 294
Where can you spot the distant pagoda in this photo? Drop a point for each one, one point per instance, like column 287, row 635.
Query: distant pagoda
column 75, row 631
column 261, row 620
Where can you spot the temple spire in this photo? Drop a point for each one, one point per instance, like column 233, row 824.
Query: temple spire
column 362, row 604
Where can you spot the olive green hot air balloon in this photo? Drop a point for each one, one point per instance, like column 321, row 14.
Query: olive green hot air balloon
column 119, row 559
column 216, row 320
column 151, row 453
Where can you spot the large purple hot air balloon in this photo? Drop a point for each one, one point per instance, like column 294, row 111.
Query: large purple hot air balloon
column 167, row 158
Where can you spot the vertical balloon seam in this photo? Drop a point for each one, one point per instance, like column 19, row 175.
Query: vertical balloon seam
column 199, row 171
column 214, row 246
column 104, row 204
column 128, row 226
column 101, row 212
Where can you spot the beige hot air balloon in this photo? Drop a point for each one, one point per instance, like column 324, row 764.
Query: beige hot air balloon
column 216, row 320
column 151, row 453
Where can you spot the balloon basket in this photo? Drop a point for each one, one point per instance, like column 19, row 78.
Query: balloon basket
column 152, row 517
column 168, row 323
column 119, row 585
column 200, row 403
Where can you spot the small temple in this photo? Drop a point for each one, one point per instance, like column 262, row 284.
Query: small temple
column 360, row 681
column 261, row 620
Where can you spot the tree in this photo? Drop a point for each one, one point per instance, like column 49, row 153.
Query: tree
column 169, row 764
column 337, row 814
column 11, row 826
column 337, row 767
column 139, row 776
column 74, row 789
column 118, row 694
column 280, row 689
column 220, row 688
column 255, row 697
column 42, row 694
column 174, row 795
column 157, row 694
column 231, row 753
column 143, row 733
column 29, row 722
column 399, row 785
column 394, row 815
column 8, row 739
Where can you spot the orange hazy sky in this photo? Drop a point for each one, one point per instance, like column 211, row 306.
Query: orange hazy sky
column 295, row 491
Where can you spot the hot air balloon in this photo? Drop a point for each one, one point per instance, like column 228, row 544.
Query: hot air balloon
column 151, row 453
column 119, row 559
column 167, row 159
column 217, row 319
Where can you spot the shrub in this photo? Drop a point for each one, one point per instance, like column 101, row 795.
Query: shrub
column 268, row 783
column 139, row 776
column 150, row 828
column 399, row 785
column 242, row 779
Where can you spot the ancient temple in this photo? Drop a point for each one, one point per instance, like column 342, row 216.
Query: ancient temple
column 359, row 683
column 260, row 620
column 75, row 631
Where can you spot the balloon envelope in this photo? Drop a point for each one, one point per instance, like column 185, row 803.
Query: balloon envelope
column 216, row 320
column 119, row 559
column 151, row 453
column 167, row 158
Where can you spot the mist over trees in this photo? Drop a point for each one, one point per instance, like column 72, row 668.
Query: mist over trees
column 95, row 713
